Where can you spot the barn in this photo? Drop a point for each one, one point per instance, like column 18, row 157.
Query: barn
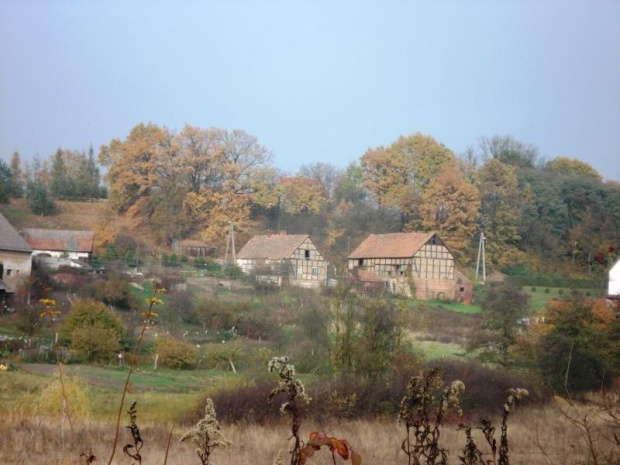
column 283, row 259
column 57, row 243
column 412, row 264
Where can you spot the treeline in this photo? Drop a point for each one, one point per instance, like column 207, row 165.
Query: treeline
column 534, row 213
column 66, row 175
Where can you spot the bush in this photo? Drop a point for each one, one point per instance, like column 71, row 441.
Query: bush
column 174, row 353
column 115, row 291
column 92, row 329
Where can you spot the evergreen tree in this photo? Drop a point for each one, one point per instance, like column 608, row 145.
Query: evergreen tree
column 61, row 185
column 39, row 199
column 6, row 184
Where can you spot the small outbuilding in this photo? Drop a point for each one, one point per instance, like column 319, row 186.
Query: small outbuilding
column 283, row 259
column 15, row 258
column 56, row 243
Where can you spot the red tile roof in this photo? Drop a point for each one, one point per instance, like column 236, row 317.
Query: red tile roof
column 395, row 245
column 59, row 240
column 272, row 247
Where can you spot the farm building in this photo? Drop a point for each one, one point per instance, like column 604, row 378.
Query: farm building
column 60, row 243
column 283, row 258
column 15, row 258
column 408, row 263
column 193, row 248
column 613, row 288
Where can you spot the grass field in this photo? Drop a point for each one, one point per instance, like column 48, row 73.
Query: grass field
column 455, row 306
column 540, row 296
column 536, row 436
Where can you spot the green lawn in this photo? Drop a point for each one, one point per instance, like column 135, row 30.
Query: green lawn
column 432, row 350
column 455, row 306
column 165, row 395
column 539, row 296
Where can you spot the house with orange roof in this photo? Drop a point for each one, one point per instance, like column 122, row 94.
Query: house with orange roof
column 57, row 243
column 283, row 259
column 412, row 264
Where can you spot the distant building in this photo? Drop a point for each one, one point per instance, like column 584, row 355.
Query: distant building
column 409, row 263
column 283, row 259
column 193, row 248
column 15, row 258
column 57, row 243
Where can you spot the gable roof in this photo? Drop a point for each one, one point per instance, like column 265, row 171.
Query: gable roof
column 59, row 240
column 395, row 245
column 273, row 247
column 10, row 238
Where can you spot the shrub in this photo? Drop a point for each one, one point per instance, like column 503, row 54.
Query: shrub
column 115, row 291
column 175, row 353
column 547, row 290
column 94, row 330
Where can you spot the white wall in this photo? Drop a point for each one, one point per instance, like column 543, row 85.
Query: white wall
column 614, row 280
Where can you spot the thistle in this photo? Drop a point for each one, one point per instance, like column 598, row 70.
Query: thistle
column 207, row 435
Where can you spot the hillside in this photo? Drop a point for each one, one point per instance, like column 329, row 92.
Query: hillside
column 95, row 215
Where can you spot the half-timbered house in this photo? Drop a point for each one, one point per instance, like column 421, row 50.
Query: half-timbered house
column 283, row 258
column 409, row 263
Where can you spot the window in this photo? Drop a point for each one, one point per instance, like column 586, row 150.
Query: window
column 360, row 262
column 315, row 271
column 462, row 289
column 307, row 254
column 9, row 271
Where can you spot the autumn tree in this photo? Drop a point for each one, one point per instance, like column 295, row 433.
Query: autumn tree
column 183, row 182
column 301, row 195
column 399, row 174
column 573, row 167
column 579, row 351
column 450, row 206
column 17, row 176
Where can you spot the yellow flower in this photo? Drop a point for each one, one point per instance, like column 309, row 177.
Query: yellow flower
column 48, row 302
column 3, row 367
column 154, row 300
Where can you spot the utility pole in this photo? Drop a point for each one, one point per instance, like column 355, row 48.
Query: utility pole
column 481, row 256
column 230, row 243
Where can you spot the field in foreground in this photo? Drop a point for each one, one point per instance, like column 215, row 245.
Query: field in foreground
column 536, row 436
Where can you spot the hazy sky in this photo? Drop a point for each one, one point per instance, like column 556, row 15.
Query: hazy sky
column 315, row 81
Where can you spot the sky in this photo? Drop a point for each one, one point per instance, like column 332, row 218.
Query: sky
column 314, row 81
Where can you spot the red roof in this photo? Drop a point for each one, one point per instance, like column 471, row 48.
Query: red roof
column 395, row 245
column 59, row 240
column 273, row 247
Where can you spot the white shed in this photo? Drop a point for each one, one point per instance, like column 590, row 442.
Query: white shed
column 613, row 290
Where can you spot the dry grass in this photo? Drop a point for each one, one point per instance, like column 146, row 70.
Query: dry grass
column 26, row 440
